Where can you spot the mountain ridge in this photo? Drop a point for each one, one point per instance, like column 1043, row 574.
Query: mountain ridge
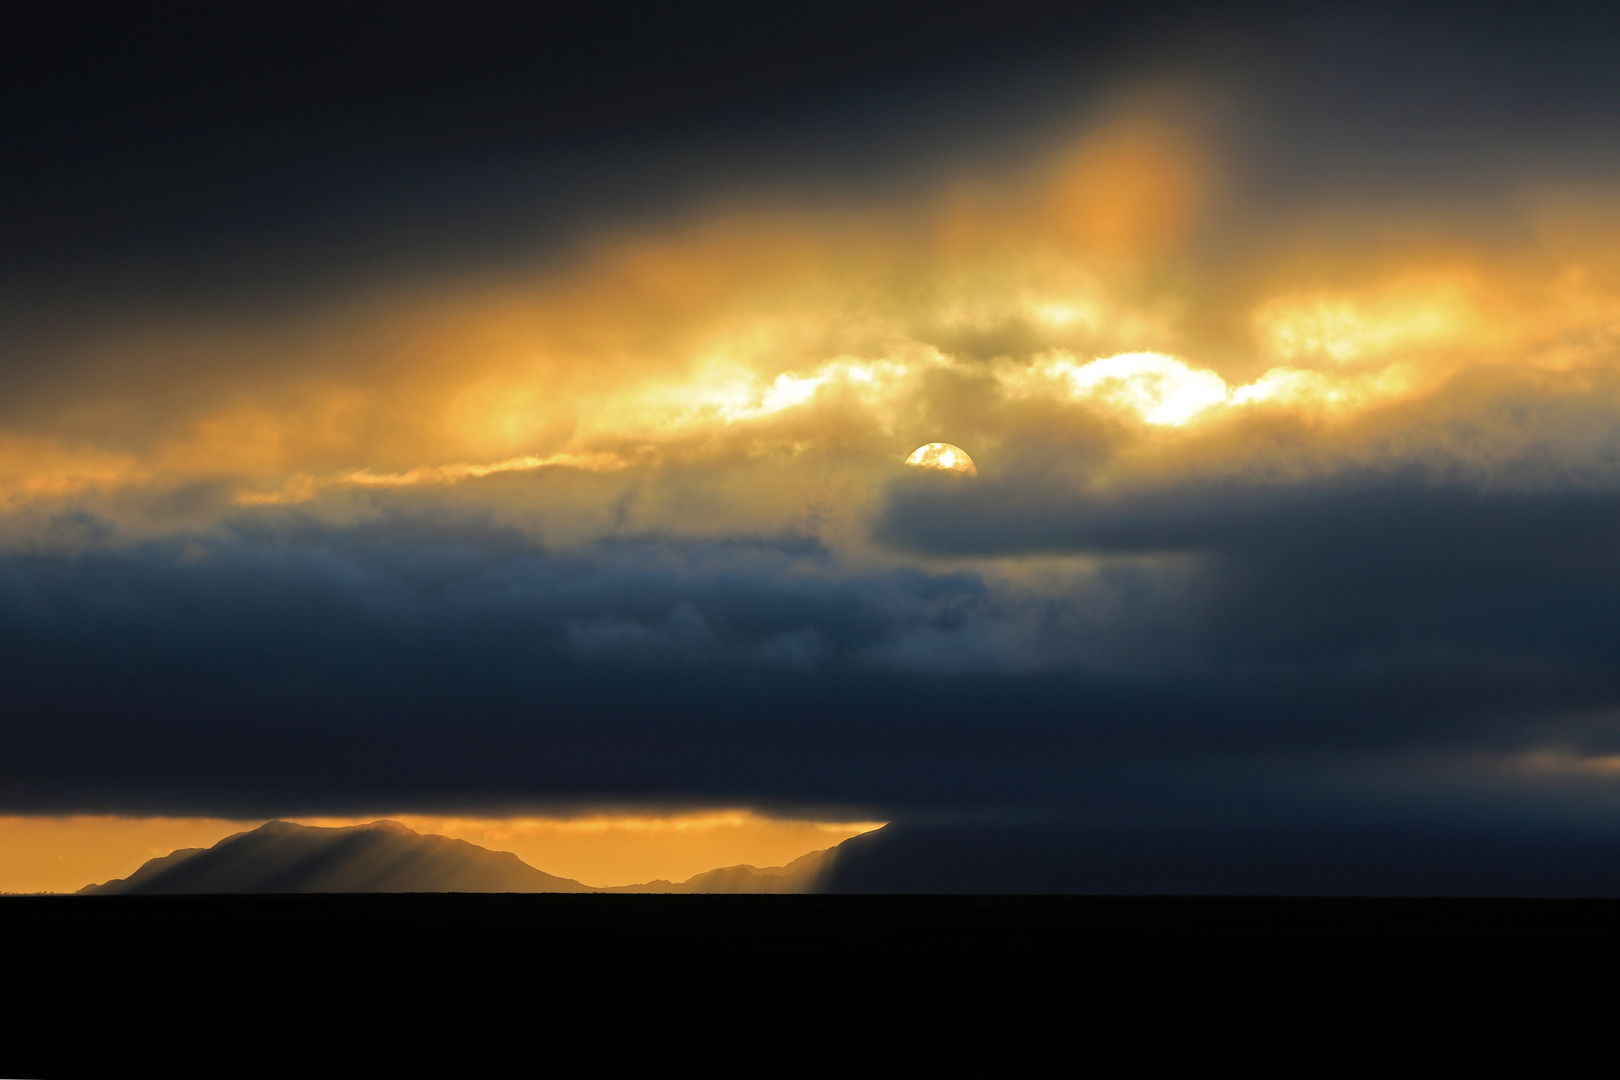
column 385, row 856
column 380, row 856
column 804, row 874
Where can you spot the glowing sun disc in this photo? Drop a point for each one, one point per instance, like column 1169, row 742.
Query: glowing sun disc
column 944, row 456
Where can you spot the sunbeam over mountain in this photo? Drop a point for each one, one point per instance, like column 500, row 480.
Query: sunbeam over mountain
column 387, row 857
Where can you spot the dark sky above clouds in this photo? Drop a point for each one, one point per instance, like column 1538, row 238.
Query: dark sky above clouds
column 449, row 408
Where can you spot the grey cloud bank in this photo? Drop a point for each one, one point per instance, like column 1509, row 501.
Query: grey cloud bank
column 1317, row 644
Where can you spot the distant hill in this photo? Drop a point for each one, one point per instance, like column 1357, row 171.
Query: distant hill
column 1272, row 859
column 960, row 858
column 802, row 875
column 387, row 857
column 382, row 857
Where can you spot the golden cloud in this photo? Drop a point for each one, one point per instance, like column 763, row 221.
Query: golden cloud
column 756, row 369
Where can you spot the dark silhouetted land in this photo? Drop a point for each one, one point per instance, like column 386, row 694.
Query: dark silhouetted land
column 387, row 857
column 792, row 985
column 909, row 859
column 380, row 857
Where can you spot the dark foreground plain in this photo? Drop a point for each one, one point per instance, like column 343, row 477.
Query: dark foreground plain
column 473, row 985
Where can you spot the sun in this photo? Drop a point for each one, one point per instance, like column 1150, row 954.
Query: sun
column 944, row 456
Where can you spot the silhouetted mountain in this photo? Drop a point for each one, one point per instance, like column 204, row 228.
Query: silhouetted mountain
column 382, row 857
column 1255, row 861
column 387, row 857
column 802, row 875
column 152, row 870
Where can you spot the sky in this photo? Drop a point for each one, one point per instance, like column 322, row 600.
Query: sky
column 503, row 415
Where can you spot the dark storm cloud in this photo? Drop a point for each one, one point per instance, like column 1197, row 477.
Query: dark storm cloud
column 1443, row 592
column 161, row 146
column 418, row 656
column 1378, row 535
column 201, row 154
column 437, row 661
